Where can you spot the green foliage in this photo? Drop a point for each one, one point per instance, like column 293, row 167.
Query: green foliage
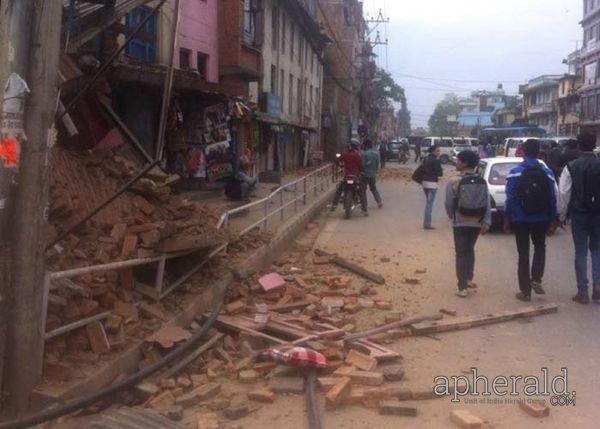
column 438, row 122
column 386, row 90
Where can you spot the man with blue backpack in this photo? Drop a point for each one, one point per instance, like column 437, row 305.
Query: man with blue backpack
column 468, row 205
column 579, row 197
column 531, row 210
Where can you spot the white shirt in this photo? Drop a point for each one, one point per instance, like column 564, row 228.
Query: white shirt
column 429, row 185
column 565, row 189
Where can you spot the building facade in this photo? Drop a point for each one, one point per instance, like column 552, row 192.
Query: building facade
column 568, row 105
column 478, row 110
column 540, row 102
column 589, row 57
column 290, row 90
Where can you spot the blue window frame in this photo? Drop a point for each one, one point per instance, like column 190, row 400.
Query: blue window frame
column 142, row 48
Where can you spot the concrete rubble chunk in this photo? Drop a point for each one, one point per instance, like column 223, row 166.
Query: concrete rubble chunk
column 393, row 373
column 361, row 361
column 146, row 390
column 236, row 412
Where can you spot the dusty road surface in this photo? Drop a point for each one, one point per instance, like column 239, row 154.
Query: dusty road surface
column 567, row 339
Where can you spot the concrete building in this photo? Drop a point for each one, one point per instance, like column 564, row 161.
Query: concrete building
column 344, row 80
column 540, row 106
column 589, row 57
column 290, row 90
column 477, row 111
column 568, row 105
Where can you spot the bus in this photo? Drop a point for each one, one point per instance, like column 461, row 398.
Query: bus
column 499, row 135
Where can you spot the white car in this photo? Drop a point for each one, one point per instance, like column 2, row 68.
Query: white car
column 495, row 172
column 446, row 145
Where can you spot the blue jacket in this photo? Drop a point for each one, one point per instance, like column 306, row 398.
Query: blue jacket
column 513, row 209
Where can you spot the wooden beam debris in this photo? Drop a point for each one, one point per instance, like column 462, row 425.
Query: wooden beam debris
column 352, row 267
column 457, row 324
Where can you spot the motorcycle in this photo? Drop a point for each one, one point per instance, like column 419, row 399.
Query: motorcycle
column 351, row 189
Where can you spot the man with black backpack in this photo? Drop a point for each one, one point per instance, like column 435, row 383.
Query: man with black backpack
column 468, row 205
column 531, row 212
column 579, row 196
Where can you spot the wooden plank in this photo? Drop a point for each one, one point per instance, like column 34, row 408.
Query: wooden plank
column 353, row 267
column 287, row 308
column 456, row 324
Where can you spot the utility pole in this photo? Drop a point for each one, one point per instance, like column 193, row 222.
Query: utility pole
column 33, row 53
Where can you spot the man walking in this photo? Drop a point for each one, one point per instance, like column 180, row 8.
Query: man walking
column 530, row 211
column 417, row 150
column 579, row 196
column 370, row 159
column 468, row 205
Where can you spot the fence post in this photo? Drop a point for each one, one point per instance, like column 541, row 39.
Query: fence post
column 296, row 197
column 266, row 213
column 305, row 189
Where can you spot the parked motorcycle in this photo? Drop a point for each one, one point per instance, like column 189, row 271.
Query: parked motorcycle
column 351, row 189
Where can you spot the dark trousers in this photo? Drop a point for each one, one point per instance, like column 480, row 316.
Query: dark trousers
column 464, row 243
column 371, row 182
column 417, row 155
column 536, row 232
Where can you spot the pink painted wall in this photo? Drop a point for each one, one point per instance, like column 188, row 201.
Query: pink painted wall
column 198, row 32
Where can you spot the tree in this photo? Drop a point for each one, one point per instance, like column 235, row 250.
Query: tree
column 438, row 122
column 386, row 90
column 404, row 118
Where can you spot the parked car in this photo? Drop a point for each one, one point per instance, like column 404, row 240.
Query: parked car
column 394, row 147
column 495, row 172
column 447, row 145
column 513, row 144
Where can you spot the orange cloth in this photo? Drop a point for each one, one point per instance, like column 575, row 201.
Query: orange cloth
column 8, row 152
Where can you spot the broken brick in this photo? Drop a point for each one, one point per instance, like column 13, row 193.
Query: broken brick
column 396, row 408
column 98, row 338
column 465, row 419
column 207, row 421
column 534, row 408
column 338, row 393
column 361, row 361
column 262, row 395
column 146, row 390
column 88, row 307
column 411, row 281
column 383, row 305
column 153, row 311
column 283, row 385
column 393, row 373
column 126, row 310
column 366, row 378
column 248, row 376
column 236, row 412
column 130, row 243
column 236, row 307
column 326, row 383
column 163, row 400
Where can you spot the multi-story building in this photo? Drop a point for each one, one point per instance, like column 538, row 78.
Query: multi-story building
column 540, row 105
column 568, row 105
column 290, row 90
column 478, row 110
column 343, row 84
column 589, row 57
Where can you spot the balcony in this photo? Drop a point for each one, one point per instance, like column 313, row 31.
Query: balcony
column 541, row 109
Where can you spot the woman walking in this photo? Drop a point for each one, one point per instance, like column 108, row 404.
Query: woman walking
column 432, row 171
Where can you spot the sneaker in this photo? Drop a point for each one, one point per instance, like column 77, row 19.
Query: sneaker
column 581, row 299
column 522, row 297
column 380, row 205
column 472, row 285
column 462, row 293
column 596, row 294
column 537, row 288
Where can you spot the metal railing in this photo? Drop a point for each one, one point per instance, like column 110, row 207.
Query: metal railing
column 303, row 189
column 271, row 210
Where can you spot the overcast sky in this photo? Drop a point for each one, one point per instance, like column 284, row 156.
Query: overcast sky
column 473, row 44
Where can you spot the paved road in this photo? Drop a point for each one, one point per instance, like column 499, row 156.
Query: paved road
column 568, row 339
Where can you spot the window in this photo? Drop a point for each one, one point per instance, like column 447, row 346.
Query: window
column 202, row 65
column 249, row 22
column 291, row 95
column 499, row 173
column 275, row 28
column 273, row 80
column 143, row 47
column 283, row 31
column 282, row 91
column 184, row 59
column 292, row 37
column 299, row 112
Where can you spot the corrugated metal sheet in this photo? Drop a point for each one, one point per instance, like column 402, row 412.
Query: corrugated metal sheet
column 90, row 19
column 125, row 418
